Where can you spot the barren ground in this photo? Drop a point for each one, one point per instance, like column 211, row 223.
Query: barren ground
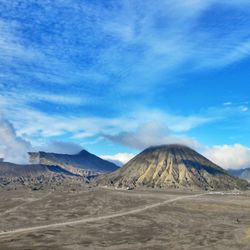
column 99, row 218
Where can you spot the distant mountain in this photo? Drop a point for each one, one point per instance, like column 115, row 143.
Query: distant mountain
column 83, row 163
column 35, row 176
column 241, row 173
column 175, row 166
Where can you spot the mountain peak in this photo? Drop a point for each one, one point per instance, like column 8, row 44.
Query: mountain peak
column 167, row 147
column 175, row 166
column 83, row 152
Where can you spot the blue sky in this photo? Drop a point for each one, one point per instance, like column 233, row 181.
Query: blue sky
column 118, row 76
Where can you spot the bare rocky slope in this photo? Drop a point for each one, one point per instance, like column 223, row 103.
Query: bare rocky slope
column 36, row 176
column 174, row 166
column 241, row 173
column 83, row 163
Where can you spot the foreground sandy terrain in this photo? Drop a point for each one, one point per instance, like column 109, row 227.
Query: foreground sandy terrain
column 99, row 218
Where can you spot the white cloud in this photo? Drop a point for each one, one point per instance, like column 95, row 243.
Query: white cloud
column 227, row 103
column 176, row 123
column 137, row 130
column 150, row 134
column 34, row 123
column 229, row 156
column 119, row 159
column 243, row 108
column 12, row 147
column 55, row 98
column 60, row 147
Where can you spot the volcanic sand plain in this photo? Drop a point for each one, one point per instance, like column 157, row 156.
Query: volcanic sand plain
column 105, row 218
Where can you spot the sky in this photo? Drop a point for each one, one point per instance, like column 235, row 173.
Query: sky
column 115, row 77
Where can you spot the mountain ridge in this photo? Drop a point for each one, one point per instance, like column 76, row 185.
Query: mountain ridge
column 83, row 163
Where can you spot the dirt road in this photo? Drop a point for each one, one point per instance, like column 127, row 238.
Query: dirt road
column 94, row 219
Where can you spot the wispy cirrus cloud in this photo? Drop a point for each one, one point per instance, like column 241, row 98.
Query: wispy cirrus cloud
column 155, row 37
column 83, row 66
column 107, row 50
